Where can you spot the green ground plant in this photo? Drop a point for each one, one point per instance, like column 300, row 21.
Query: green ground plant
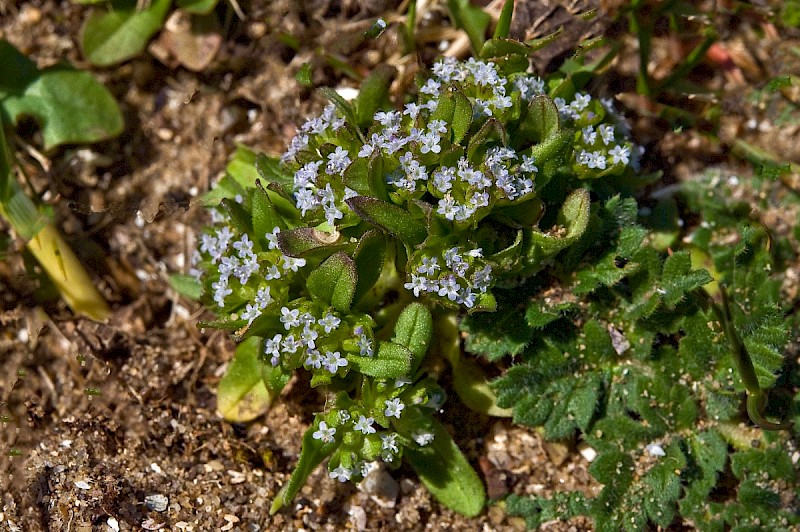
column 499, row 206
column 121, row 29
column 71, row 107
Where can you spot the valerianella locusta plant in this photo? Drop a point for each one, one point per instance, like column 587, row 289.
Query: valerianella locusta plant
column 362, row 244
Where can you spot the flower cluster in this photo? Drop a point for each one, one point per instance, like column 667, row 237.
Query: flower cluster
column 399, row 416
column 601, row 139
column 242, row 275
column 318, row 338
column 457, row 276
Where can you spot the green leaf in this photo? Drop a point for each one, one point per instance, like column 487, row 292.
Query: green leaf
column 265, row 216
column 186, row 285
column 541, row 120
column 197, row 7
column 496, row 335
column 373, row 94
column 369, row 256
column 309, row 242
column 447, row 474
column 571, row 222
column 312, row 453
column 413, row 330
column 391, row 218
column 334, row 282
column 269, row 168
column 390, row 362
column 123, row 32
column 303, row 76
column 473, row 20
column 344, row 107
column 456, row 110
column 241, row 393
column 504, row 21
column 69, row 105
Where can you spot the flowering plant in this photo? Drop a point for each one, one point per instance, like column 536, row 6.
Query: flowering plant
column 375, row 224
column 382, row 234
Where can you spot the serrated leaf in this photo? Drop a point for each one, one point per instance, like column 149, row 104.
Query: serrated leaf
column 122, row 33
column 391, row 218
column 447, row 474
column 334, row 282
column 70, row 106
column 497, row 334
column 241, row 393
column 270, row 170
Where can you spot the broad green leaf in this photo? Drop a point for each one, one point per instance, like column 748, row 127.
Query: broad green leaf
column 334, row 282
column 373, row 94
column 413, row 330
column 265, row 216
column 186, row 285
column 447, row 474
column 197, row 7
column 455, row 109
column 69, row 105
column 571, row 223
column 241, row 393
column 369, row 256
column 541, row 120
column 309, row 242
column 123, row 32
column 390, row 362
column 499, row 47
column 391, row 218
column 269, row 168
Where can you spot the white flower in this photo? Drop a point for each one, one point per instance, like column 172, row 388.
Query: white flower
column 393, row 408
column 449, row 287
column 333, row 361
column 341, row 474
column 431, row 88
column 292, row 263
column 272, row 238
column 290, row 318
column 313, row 359
column 329, row 322
column 389, row 442
column 422, row 438
column 338, row 160
column 290, row 345
column 607, row 133
column 620, row 154
column 364, row 425
column 263, row 298
column 417, row 284
column 325, row 433
column 251, row 312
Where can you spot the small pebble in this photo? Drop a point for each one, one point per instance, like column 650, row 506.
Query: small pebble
column 157, row 502
column 82, row 484
column 113, row 524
